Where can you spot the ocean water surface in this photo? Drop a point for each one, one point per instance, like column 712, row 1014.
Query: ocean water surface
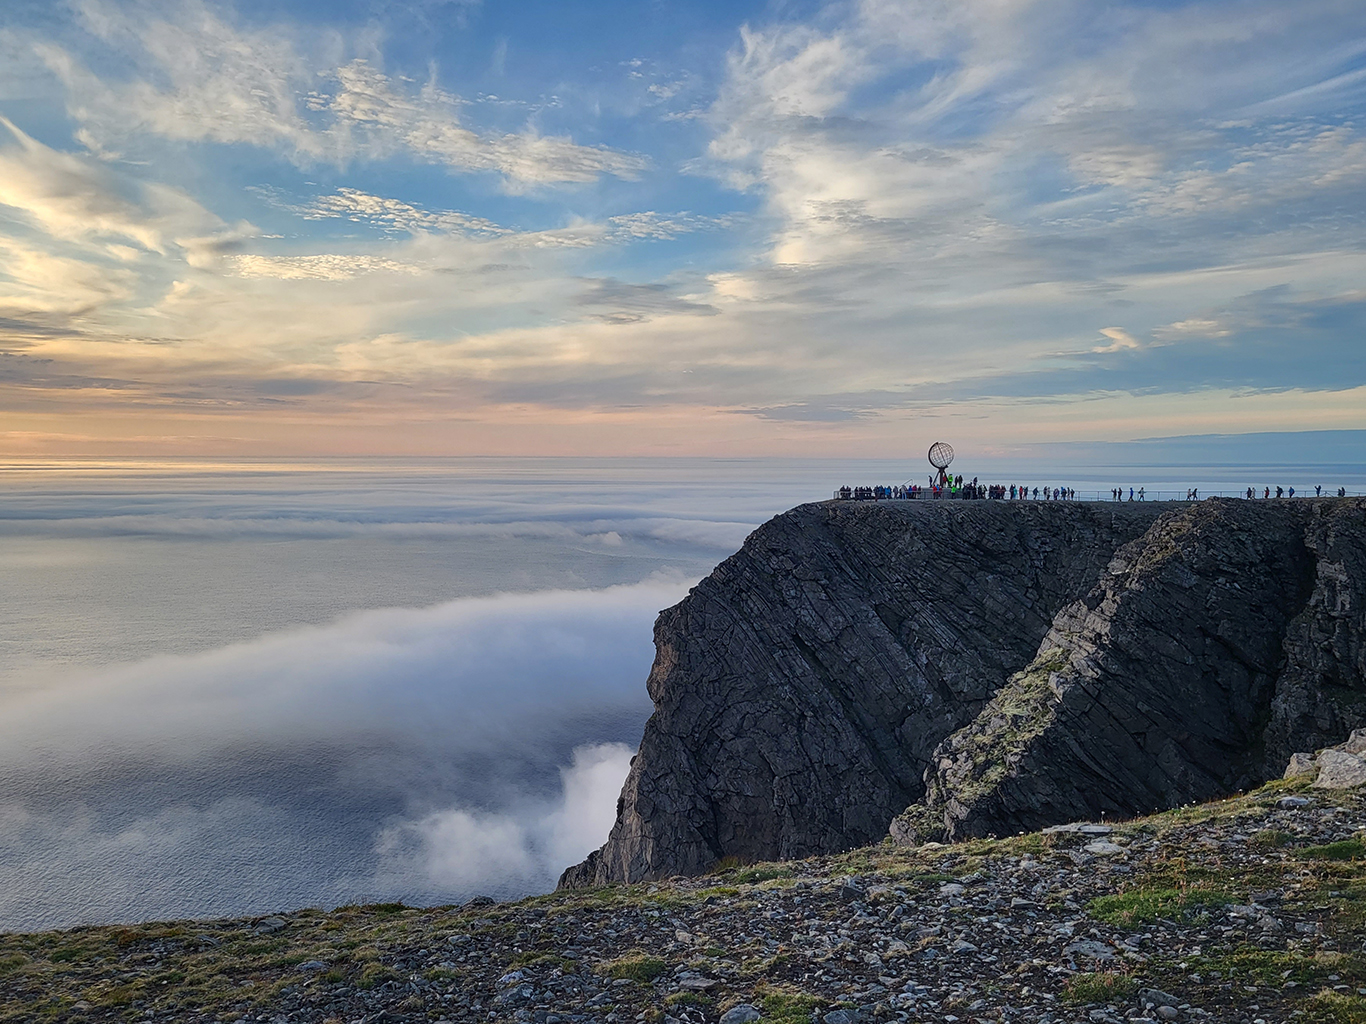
column 230, row 688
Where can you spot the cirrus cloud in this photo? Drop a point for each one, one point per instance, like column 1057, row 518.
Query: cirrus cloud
column 200, row 78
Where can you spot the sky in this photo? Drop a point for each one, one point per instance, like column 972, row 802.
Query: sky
column 454, row 227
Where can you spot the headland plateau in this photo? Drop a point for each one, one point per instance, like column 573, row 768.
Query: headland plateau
column 952, row 669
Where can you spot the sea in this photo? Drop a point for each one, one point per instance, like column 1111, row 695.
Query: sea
column 235, row 687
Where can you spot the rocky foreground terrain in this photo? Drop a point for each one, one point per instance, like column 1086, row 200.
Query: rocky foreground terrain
column 1251, row 909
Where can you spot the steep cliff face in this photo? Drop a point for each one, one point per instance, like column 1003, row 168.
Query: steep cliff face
column 1319, row 694
column 995, row 666
column 801, row 689
column 1153, row 690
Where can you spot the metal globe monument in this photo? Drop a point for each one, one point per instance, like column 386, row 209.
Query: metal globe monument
column 941, row 454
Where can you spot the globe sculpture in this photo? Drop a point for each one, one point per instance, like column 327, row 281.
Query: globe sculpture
column 941, row 454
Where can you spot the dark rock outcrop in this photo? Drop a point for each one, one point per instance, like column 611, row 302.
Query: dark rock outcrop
column 1227, row 637
column 996, row 666
column 801, row 689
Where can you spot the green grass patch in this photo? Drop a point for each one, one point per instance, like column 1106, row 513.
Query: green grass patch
column 373, row 975
column 1340, row 1006
column 759, row 966
column 762, row 873
column 119, row 995
column 931, row 878
column 638, row 968
column 124, row 937
column 1276, row 967
column 1270, row 839
column 351, row 910
column 1276, row 787
column 1099, row 987
column 717, row 891
column 689, row 999
column 1146, row 905
column 1347, row 849
column 1032, row 843
column 780, row 1006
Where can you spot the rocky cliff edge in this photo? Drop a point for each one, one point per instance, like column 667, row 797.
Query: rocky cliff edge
column 953, row 669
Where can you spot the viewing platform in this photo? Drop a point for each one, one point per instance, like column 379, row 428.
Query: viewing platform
column 908, row 492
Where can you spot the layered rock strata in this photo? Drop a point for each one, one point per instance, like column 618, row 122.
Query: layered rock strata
column 988, row 667
column 802, row 688
column 1228, row 636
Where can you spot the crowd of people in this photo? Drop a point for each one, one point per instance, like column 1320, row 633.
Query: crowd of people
column 956, row 487
column 1282, row 493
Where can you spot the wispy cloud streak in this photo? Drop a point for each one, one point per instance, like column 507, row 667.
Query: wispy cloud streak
column 986, row 212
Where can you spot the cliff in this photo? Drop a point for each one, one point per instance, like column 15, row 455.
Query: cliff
column 968, row 668
column 1225, row 639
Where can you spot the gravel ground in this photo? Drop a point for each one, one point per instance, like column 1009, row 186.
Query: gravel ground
column 1249, row 910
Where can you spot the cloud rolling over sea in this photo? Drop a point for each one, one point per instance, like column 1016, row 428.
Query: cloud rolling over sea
column 238, row 687
column 420, row 754
column 235, row 688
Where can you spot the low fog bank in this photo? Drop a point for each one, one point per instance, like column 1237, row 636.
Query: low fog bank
column 425, row 755
column 114, row 566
